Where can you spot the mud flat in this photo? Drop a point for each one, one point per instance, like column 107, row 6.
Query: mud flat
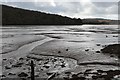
column 14, row 43
column 73, row 52
column 67, row 49
column 18, row 62
column 87, row 61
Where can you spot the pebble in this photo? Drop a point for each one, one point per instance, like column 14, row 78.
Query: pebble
column 75, row 77
column 97, row 51
column 87, row 50
column 46, row 66
column 4, row 59
column 98, row 44
column 100, row 71
column 88, row 70
column 18, row 65
column 111, row 55
column 118, row 56
column 21, row 58
column 7, row 67
column 11, row 74
column 2, row 76
column 94, row 77
column 63, row 66
column 66, row 49
column 59, row 51
column 115, row 36
column 67, row 72
column 22, row 74
column 49, row 73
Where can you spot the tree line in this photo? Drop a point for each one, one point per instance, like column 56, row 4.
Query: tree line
column 17, row 16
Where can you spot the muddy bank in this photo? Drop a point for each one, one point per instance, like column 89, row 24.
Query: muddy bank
column 88, row 74
column 64, row 68
column 44, row 66
column 112, row 49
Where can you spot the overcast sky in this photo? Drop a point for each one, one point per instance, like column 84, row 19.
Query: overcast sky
column 72, row 8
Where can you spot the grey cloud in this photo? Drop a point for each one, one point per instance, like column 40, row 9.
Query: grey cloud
column 25, row 5
column 104, row 4
column 105, row 8
column 72, row 9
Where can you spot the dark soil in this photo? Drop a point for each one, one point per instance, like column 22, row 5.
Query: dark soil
column 112, row 49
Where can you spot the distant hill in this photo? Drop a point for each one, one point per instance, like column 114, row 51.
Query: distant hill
column 17, row 16
column 99, row 21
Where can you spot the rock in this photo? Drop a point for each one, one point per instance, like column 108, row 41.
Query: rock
column 87, row 50
column 75, row 77
column 67, row 72
column 4, row 59
column 115, row 36
column 106, row 77
column 87, row 70
column 94, row 77
column 27, row 59
column 46, row 62
column 23, row 79
column 46, row 66
column 41, row 69
column 63, row 65
column 117, row 77
column 18, row 65
column 54, row 60
column 97, row 51
column 110, row 73
column 82, row 78
column 112, row 49
column 59, row 51
column 22, row 74
column 2, row 76
column 100, row 71
column 106, row 36
column 37, row 74
column 49, row 73
column 11, row 74
column 111, row 55
column 66, row 78
column 98, row 44
column 119, row 56
column 21, row 58
column 66, row 49
column 7, row 67
column 117, row 72
column 52, row 76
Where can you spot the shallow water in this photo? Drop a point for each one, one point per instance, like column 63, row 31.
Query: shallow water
column 86, row 35
column 92, row 34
